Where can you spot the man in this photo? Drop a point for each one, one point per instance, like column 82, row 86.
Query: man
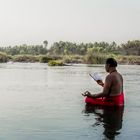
column 112, row 93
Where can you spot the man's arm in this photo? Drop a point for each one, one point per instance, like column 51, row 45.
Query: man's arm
column 100, row 82
column 106, row 88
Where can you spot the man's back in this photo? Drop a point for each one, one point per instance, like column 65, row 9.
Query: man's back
column 116, row 83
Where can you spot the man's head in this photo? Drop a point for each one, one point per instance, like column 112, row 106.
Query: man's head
column 110, row 63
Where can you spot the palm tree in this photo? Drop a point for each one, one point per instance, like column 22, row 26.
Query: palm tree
column 45, row 42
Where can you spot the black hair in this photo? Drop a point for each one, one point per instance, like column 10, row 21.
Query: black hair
column 112, row 62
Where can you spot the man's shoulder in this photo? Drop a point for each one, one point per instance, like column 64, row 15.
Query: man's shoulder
column 114, row 76
column 109, row 77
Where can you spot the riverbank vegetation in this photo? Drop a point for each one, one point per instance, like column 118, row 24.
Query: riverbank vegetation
column 61, row 53
column 56, row 63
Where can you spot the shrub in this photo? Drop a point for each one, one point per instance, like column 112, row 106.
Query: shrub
column 3, row 57
column 73, row 59
column 95, row 58
column 56, row 63
column 128, row 59
column 44, row 59
column 25, row 58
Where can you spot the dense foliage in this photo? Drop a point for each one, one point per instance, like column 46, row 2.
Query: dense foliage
column 131, row 47
column 24, row 49
column 68, row 48
column 90, row 53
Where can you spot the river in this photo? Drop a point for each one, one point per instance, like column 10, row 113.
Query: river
column 38, row 102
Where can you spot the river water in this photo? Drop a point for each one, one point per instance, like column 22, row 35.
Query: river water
column 38, row 102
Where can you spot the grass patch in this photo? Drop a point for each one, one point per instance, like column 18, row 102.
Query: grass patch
column 128, row 59
column 25, row 58
column 56, row 63
column 4, row 57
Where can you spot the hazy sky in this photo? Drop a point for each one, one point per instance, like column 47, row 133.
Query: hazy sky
column 33, row 21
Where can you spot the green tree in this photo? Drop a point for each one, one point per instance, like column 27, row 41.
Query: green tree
column 45, row 42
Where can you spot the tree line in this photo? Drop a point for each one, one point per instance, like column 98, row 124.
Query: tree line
column 24, row 49
column 69, row 48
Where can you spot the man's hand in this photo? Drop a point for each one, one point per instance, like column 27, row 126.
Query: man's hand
column 100, row 82
column 87, row 94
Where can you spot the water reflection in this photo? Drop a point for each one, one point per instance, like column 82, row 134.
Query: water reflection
column 109, row 117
